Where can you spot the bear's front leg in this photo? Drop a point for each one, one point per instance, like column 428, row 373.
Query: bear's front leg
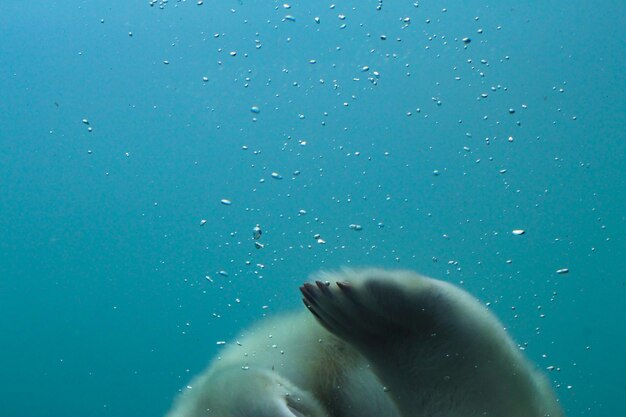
column 404, row 325
column 372, row 309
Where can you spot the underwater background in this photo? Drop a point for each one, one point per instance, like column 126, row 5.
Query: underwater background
column 141, row 142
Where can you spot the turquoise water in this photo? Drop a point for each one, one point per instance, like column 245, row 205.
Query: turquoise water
column 123, row 126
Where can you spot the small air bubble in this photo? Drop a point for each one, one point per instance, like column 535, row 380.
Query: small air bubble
column 257, row 232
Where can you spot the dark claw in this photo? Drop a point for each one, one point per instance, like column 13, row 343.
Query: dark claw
column 344, row 286
column 312, row 310
column 308, row 291
column 323, row 288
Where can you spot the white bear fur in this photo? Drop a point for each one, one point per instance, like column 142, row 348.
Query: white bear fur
column 382, row 344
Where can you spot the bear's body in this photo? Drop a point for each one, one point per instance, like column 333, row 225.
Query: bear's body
column 390, row 344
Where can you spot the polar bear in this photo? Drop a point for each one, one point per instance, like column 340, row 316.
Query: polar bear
column 376, row 343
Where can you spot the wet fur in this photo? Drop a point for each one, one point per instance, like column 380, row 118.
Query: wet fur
column 378, row 343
